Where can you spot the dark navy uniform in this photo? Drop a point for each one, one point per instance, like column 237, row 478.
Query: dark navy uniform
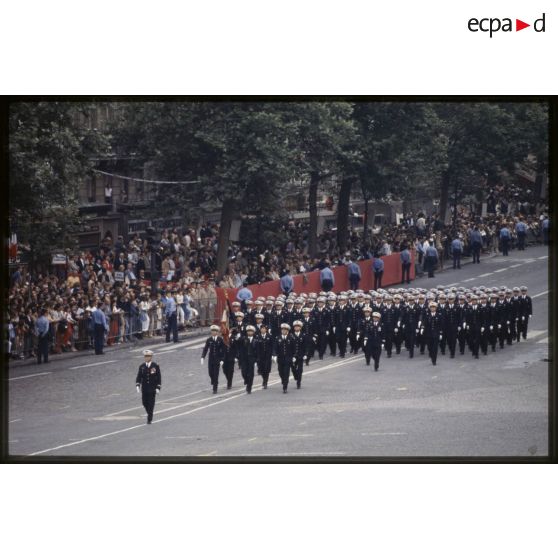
column 462, row 314
column 343, row 323
column 413, row 316
column 264, row 355
column 322, row 321
column 451, row 325
column 214, row 345
column 525, row 312
column 372, row 343
column 299, row 352
column 283, row 349
column 149, row 380
column 247, row 356
column 332, row 310
column 398, row 336
column 474, row 324
column 389, row 321
column 309, row 330
column 433, row 330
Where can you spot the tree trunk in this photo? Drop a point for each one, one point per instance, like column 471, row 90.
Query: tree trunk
column 313, row 210
column 343, row 213
column 365, row 220
column 227, row 214
column 444, row 192
column 539, row 179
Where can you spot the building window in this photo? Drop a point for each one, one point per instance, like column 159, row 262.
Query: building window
column 124, row 191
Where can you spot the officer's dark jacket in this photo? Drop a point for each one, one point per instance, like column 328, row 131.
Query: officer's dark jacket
column 283, row 349
column 215, row 348
column 525, row 306
column 149, row 378
column 433, row 325
column 264, row 348
column 373, row 335
column 248, row 351
column 322, row 319
column 299, row 345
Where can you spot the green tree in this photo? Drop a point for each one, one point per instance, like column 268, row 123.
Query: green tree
column 50, row 153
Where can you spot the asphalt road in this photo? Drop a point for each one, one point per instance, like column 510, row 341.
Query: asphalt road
column 494, row 406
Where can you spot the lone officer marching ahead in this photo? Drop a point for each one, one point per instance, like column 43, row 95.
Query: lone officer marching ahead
column 216, row 348
column 149, row 379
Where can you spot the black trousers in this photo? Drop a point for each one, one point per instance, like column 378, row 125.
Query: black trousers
column 228, row 371
column 148, row 401
column 354, row 280
column 410, row 334
column 457, row 259
column 474, row 341
column 213, row 370
column 451, row 338
column 502, row 334
column 433, row 348
column 264, row 369
column 388, row 342
column 172, row 325
column 296, row 368
column 99, row 333
column 398, row 338
column 476, row 247
column 332, row 342
column 378, row 279
column 284, row 367
column 505, row 246
column 248, row 373
column 406, row 272
column 522, row 326
column 42, row 352
column 462, row 338
column 521, row 240
column 322, row 344
column 512, row 332
column 327, row 285
column 341, row 337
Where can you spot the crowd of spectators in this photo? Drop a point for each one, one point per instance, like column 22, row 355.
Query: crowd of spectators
column 118, row 273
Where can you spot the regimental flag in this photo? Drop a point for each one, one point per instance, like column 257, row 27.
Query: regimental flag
column 12, row 248
column 225, row 322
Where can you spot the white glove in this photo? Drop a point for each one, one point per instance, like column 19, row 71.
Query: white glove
column 422, row 331
column 419, row 323
column 333, row 330
column 365, row 341
column 294, row 359
column 348, row 329
column 464, row 325
column 399, row 323
column 238, row 335
column 395, row 330
column 274, row 359
column 482, row 329
column 499, row 326
column 315, row 338
column 459, row 328
column 491, row 328
column 327, row 332
column 357, row 337
column 379, row 329
column 416, row 331
column 137, row 389
column 440, row 337
column 236, row 360
column 221, row 363
column 530, row 315
column 508, row 322
column 202, row 360
column 523, row 318
column 157, row 390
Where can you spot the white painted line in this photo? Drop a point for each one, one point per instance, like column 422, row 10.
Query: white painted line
column 536, row 333
column 516, row 265
column 15, row 420
column 197, row 346
column 542, row 257
column 467, row 280
column 500, row 270
column 383, row 434
column 309, row 453
column 242, row 393
column 540, row 294
column 291, row 436
column 214, row 452
column 161, row 401
column 156, row 348
column 545, row 340
column 29, row 376
column 94, row 364
column 485, row 274
column 452, row 284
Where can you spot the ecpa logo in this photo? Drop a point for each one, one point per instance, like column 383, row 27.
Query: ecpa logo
column 493, row 25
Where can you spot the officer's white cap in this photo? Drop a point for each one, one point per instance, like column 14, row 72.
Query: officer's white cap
column 250, row 328
column 376, row 315
column 239, row 315
column 259, row 316
column 297, row 323
column 214, row 328
column 367, row 309
column 305, row 310
column 285, row 326
column 147, row 352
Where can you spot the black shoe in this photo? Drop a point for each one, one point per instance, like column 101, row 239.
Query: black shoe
column 375, row 367
column 398, row 351
column 389, row 355
column 248, row 389
column 307, row 362
column 367, row 363
column 284, row 390
column 434, row 364
column 321, row 358
column 264, row 386
column 476, row 356
column 298, row 385
column 342, row 355
column 214, row 389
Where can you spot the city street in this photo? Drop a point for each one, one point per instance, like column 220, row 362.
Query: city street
column 494, row 406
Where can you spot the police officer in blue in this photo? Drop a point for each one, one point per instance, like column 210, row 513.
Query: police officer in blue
column 171, row 313
column 100, row 327
column 431, row 258
column 521, row 231
column 476, row 243
column 457, row 251
column 354, row 274
column 405, row 257
column 378, row 268
column 42, row 328
column 505, row 237
column 148, row 381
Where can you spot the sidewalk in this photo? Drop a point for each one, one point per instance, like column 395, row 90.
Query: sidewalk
column 151, row 342
column 448, row 264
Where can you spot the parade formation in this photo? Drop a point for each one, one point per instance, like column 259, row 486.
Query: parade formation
column 290, row 331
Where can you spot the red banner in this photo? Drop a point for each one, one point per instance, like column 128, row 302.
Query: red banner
column 310, row 282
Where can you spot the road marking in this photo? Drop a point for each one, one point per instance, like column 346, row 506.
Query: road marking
column 452, row 284
column 545, row 340
column 176, row 345
column 29, row 376
column 290, row 436
column 516, row 265
column 383, row 434
column 536, row 333
column 401, row 389
column 500, row 270
column 467, row 280
column 162, row 401
column 242, row 392
column 109, row 395
column 253, row 439
column 540, row 294
column 15, row 420
column 542, row 257
column 207, row 454
column 119, row 417
column 309, row 453
column 196, row 346
column 94, row 364
column 485, row 274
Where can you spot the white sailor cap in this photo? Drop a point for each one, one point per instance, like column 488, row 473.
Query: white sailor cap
column 259, row 316
column 214, row 328
column 305, row 310
column 239, row 314
column 285, row 326
column 297, row 323
column 250, row 328
column 147, row 352
column 376, row 315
